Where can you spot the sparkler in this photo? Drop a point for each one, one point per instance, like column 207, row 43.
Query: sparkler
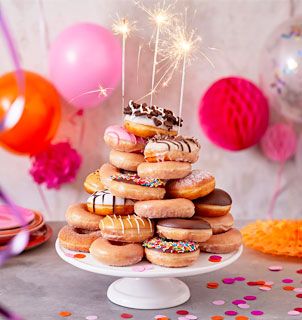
column 102, row 92
column 162, row 17
column 123, row 27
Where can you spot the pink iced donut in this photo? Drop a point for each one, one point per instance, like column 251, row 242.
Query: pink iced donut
column 117, row 138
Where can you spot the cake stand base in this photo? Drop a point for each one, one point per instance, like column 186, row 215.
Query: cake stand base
column 148, row 293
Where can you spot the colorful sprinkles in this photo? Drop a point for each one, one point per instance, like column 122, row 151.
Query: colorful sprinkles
column 144, row 182
column 170, row 246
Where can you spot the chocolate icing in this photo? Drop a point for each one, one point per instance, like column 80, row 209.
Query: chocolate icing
column 217, row 197
column 180, row 142
column 184, row 223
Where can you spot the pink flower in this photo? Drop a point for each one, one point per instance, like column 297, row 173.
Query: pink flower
column 56, row 165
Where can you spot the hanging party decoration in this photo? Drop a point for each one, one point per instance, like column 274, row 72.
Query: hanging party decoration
column 29, row 132
column 85, row 64
column 234, row 113
column 55, row 166
column 281, row 69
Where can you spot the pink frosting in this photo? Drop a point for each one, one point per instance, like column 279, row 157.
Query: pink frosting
column 121, row 134
column 9, row 221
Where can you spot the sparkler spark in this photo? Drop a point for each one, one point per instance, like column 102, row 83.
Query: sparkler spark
column 102, row 92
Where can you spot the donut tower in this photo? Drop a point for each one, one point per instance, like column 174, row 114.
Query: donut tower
column 148, row 201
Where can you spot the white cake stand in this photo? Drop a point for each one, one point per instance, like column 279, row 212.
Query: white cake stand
column 154, row 288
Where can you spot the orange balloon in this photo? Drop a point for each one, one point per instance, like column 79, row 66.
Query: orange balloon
column 40, row 118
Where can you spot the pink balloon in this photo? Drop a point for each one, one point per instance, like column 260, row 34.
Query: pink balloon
column 83, row 58
column 279, row 142
column 234, row 113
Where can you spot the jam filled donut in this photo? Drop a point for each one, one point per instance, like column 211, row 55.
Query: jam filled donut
column 131, row 186
column 184, row 229
column 77, row 239
column 117, row 138
column 164, row 170
column 78, row 216
column 126, row 228
column 215, row 204
column 106, row 171
column 125, row 160
column 171, row 254
column 169, row 208
column 219, row 224
column 223, row 243
column 147, row 121
column 93, row 182
column 104, row 203
column 197, row 184
column 167, row 148
column 116, row 254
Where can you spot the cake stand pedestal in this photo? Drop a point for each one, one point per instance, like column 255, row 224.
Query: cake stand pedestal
column 154, row 288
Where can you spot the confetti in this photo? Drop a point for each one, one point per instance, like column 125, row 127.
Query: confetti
column 65, row 314
column 241, row 318
column 299, row 295
column 218, row 302
column 217, row 318
column 182, row 312
column 212, row 285
column 69, row 255
column 299, row 290
column 239, row 279
column 299, row 271
column 249, row 298
column 265, row 288
column 215, row 258
column 257, row 313
column 126, row 316
column 236, row 302
column 255, row 283
column 243, row 306
column 231, row 313
column 138, row 268
column 182, row 318
column 287, row 280
column 91, row 317
column 228, row 280
column 288, row 288
column 79, row 256
column 293, row 313
column 298, row 309
column 191, row 317
column 161, row 317
column 275, row 268
column 269, row 283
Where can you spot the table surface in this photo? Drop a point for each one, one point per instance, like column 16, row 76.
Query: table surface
column 38, row 285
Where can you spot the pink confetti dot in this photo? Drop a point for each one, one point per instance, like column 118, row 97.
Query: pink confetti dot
column 269, row 283
column 182, row 312
column 231, row 313
column 182, row 318
column 91, row 317
column 298, row 290
column 218, row 302
column 257, row 313
column 191, row 317
column 228, row 280
column 126, row 316
column 287, row 280
column 249, row 298
column 236, row 302
column 138, row 268
column 243, row 306
column 275, row 268
column 69, row 255
column 293, row 313
column 264, row 288
column 239, row 279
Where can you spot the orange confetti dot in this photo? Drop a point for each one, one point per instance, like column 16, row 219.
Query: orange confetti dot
column 162, row 318
column 212, row 285
column 241, row 318
column 79, row 256
column 217, row 318
column 288, row 288
column 65, row 314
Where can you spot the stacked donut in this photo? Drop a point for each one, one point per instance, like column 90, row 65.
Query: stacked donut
column 147, row 201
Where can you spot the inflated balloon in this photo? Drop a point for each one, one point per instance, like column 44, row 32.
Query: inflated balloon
column 234, row 113
column 279, row 142
column 40, row 117
column 281, row 69
column 85, row 64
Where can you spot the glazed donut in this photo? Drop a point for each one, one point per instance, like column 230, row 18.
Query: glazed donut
column 219, row 224
column 117, row 138
column 147, row 121
column 223, row 243
column 125, row 160
column 168, row 208
column 171, row 254
column 168, row 148
column 77, row 239
column 131, row 186
column 93, row 182
column 197, row 184
column 116, row 254
column 77, row 216
column 215, row 204
column 106, row 171
column 126, row 228
column 164, row 170
column 184, row 229
column 104, row 203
